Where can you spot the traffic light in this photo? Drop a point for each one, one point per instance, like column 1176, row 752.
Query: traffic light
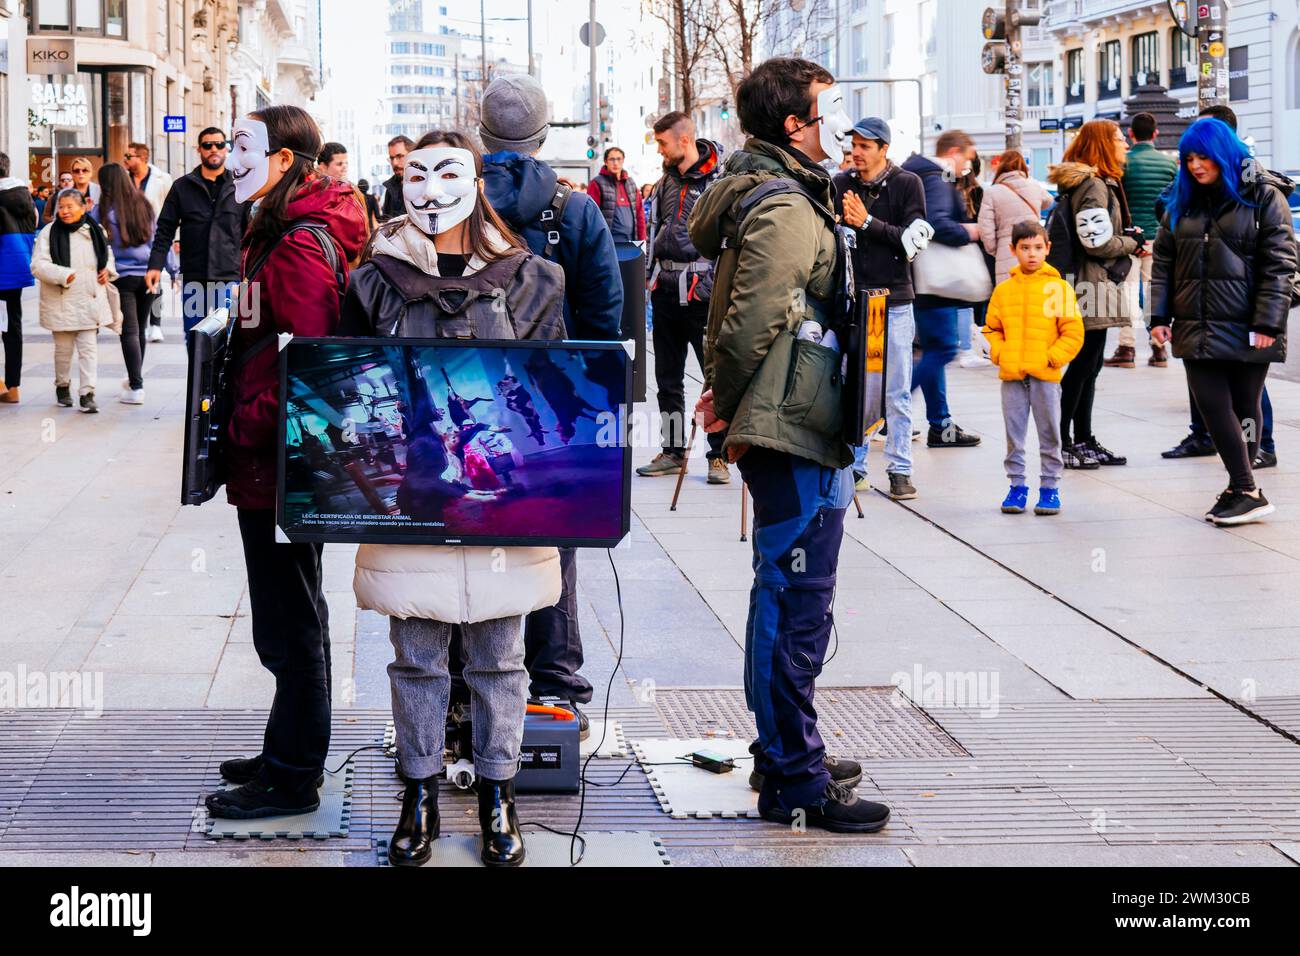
column 591, row 147
column 725, row 113
column 604, row 114
column 1001, row 54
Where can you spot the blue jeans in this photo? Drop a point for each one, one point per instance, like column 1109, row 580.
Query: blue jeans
column 936, row 330
column 965, row 319
column 421, row 686
column 899, row 332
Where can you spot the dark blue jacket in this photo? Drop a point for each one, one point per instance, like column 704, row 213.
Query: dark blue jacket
column 945, row 210
column 519, row 189
column 17, row 234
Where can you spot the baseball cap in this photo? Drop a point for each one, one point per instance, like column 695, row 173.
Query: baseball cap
column 872, row 127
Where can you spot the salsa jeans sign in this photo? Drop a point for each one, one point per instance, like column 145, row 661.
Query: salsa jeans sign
column 46, row 55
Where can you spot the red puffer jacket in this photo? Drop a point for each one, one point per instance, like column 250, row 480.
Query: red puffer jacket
column 296, row 294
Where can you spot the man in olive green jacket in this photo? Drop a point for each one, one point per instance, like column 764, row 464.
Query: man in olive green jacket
column 775, row 245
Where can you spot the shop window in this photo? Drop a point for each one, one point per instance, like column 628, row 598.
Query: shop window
column 91, row 17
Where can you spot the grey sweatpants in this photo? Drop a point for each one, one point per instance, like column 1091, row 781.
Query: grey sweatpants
column 1044, row 399
column 498, row 686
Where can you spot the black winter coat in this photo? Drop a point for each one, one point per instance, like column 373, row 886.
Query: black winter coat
column 879, row 260
column 1226, row 270
column 211, row 232
column 671, row 202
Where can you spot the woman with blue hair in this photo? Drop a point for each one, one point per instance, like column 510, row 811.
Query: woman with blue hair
column 1223, row 278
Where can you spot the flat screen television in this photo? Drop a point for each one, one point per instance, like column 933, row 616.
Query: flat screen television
column 454, row 441
column 202, row 469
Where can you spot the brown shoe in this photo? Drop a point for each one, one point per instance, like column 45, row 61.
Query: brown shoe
column 1159, row 357
column 1123, row 357
column 10, row 397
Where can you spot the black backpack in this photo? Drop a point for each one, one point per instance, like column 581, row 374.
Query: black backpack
column 1065, row 255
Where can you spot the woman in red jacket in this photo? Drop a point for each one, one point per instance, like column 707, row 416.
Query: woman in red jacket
column 291, row 286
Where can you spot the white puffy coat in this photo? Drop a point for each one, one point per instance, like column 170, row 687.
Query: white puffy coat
column 455, row 584
column 448, row 583
column 67, row 304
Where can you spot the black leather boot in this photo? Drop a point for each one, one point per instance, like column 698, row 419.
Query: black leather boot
column 417, row 827
column 503, row 843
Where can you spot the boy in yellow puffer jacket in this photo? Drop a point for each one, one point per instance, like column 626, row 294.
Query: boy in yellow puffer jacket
column 1034, row 329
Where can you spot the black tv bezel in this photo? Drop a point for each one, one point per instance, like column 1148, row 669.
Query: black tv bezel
column 431, row 538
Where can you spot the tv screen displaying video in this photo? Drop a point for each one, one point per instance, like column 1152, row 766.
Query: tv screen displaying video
column 454, row 441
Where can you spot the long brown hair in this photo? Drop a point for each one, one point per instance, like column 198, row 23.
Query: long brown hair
column 132, row 214
column 287, row 127
column 483, row 215
column 1012, row 161
column 1095, row 146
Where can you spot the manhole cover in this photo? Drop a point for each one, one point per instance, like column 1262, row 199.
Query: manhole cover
column 856, row 722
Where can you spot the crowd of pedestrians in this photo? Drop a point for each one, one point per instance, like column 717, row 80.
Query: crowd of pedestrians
column 746, row 258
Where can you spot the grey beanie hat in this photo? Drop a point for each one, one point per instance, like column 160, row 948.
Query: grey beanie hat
column 513, row 115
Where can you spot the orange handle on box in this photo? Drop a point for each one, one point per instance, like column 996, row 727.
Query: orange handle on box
column 559, row 713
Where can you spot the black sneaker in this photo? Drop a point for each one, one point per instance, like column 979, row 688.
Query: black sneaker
column 950, row 436
column 88, row 403
column 847, row 773
column 1237, row 507
column 63, row 395
column 1265, row 459
column 1220, row 505
column 257, row 799
column 1099, row 453
column 901, row 487
column 843, row 812
column 241, row 770
column 1190, row 447
column 1075, row 457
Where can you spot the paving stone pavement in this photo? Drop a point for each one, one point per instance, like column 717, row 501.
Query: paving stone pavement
column 1126, row 599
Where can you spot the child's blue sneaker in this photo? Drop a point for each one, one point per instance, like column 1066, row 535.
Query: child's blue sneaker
column 1049, row 502
column 1016, row 499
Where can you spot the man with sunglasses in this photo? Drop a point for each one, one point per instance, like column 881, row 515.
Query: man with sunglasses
column 148, row 178
column 201, row 204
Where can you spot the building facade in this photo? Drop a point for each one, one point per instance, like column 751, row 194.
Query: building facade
column 278, row 56
column 1109, row 48
column 889, row 53
column 136, row 62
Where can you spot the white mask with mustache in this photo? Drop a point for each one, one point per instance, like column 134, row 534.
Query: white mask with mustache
column 439, row 187
column 250, row 161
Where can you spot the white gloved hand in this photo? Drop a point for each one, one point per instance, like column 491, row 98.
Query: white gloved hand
column 916, row 237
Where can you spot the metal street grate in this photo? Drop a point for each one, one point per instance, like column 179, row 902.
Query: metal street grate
column 1039, row 772
column 857, row 722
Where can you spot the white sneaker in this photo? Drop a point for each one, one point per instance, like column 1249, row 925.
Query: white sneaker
column 155, row 333
column 968, row 359
column 132, row 396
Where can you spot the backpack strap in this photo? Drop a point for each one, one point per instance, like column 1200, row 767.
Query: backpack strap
column 552, row 217
column 778, row 185
column 331, row 257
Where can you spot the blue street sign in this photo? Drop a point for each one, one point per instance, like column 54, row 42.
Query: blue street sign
column 1048, row 125
column 173, row 124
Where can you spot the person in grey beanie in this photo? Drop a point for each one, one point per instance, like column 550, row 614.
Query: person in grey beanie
column 567, row 227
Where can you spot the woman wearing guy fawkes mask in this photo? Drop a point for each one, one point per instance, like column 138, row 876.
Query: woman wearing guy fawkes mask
column 451, row 268
column 272, row 164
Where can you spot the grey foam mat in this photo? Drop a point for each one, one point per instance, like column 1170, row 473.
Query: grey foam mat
column 638, row 848
column 615, row 744
column 687, row 791
column 330, row 819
